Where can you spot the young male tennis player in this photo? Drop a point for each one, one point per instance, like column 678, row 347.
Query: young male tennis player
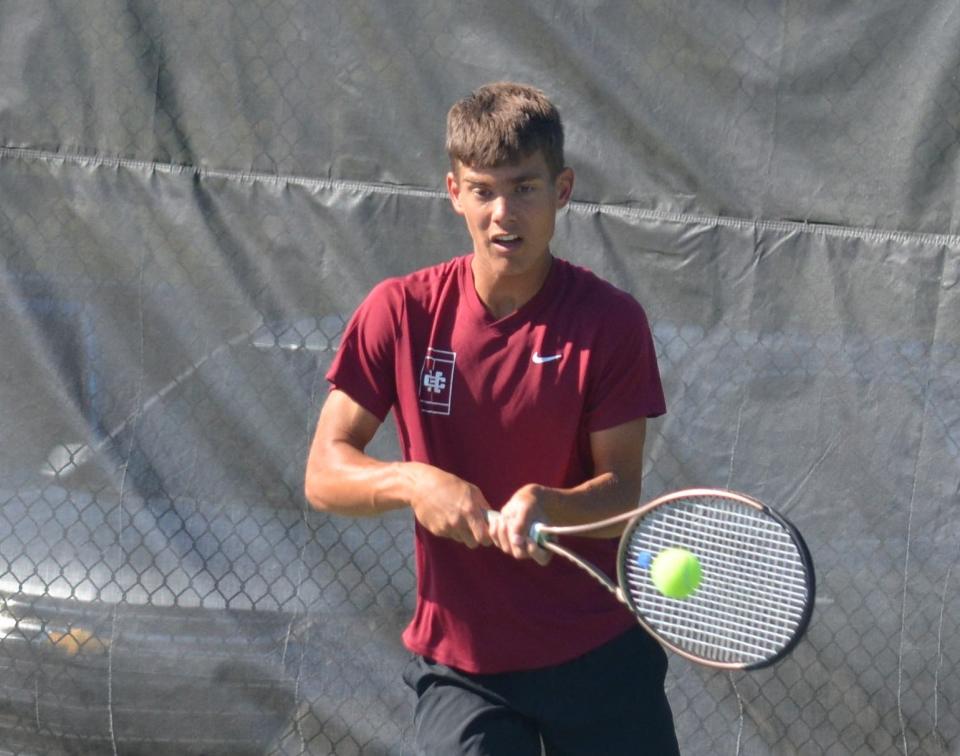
column 522, row 383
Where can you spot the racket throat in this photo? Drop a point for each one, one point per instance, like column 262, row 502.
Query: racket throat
column 599, row 575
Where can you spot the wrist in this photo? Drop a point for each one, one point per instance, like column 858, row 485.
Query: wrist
column 549, row 501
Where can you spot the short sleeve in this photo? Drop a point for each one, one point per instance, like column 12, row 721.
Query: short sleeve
column 624, row 379
column 364, row 366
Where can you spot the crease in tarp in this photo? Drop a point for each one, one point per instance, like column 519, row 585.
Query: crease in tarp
column 239, row 176
column 122, row 555
column 580, row 207
column 911, row 509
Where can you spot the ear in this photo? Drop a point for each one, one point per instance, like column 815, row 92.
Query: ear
column 453, row 190
column 564, row 187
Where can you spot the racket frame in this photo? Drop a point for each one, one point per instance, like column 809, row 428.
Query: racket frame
column 802, row 550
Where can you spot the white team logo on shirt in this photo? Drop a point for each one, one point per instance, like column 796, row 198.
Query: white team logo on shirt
column 436, row 381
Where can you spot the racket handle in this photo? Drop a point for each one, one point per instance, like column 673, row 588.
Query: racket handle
column 534, row 534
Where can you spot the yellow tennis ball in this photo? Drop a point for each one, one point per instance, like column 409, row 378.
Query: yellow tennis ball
column 675, row 572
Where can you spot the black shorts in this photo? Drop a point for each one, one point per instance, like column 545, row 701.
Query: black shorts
column 609, row 701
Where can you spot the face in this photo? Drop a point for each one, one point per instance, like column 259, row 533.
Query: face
column 510, row 213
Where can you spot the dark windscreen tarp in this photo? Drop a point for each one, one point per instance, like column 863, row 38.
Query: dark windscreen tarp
column 195, row 196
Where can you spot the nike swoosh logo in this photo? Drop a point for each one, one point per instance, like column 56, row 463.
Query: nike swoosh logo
column 537, row 359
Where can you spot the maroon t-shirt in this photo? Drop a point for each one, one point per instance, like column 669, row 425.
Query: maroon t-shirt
column 502, row 403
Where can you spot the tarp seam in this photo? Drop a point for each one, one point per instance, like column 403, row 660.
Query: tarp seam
column 578, row 206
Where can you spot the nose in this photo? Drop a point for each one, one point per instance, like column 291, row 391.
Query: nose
column 502, row 209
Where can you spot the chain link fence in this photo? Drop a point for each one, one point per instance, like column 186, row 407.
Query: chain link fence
column 195, row 196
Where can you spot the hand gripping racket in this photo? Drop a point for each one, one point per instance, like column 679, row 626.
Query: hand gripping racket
column 757, row 584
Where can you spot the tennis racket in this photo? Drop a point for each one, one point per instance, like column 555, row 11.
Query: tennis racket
column 757, row 585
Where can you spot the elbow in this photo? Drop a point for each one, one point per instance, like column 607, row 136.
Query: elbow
column 315, row 491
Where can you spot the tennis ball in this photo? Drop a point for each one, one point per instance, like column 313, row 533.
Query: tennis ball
column 675, row 572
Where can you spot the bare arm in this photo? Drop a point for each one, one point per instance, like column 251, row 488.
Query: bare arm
column 615, row 488
column 342, row 478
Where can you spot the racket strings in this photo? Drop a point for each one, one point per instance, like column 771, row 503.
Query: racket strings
column 776, row 558
column 753, row 594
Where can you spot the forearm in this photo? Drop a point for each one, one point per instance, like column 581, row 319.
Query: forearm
column 344, row 480
column 347, row 481
column 596, row 499
column 603, row 496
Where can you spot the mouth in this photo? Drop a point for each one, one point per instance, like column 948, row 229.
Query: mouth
column 507, row 242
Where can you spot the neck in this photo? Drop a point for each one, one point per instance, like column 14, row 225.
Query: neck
column 503, row 294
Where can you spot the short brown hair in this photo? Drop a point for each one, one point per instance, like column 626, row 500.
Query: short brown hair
column 501, row 123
